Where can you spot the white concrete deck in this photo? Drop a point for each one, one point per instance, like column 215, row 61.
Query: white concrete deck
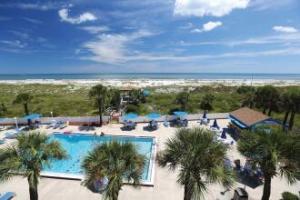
column 165, row 186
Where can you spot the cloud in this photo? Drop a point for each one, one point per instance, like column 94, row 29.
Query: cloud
column 13, row 43
column 113, row 48
column 95, row 29
column 200, row 8
column 209, row 26
column 261, row 5
column 285, row 29
column 31, row 20
column 33, row 6
column 84, row 17
column 282, row 39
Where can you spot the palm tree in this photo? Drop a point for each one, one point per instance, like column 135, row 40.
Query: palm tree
column 101, row 96
column 270, row 149
column 24, row 99
column 249, row 96
column 28, row 157
column 267, row 97
column 183, row 99
column 295, row 105
column 116, row 162
column 200, row 160
column 286, row 106
column 207, row 102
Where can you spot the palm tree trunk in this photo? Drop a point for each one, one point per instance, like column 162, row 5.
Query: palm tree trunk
column 264, row 110
column 100, row 111
column 26, row 109
column 286, row 116
column 291, row 122
column 187, row 195
column 270, row 112
column 267, row 188
column 33, row 193
column 251, row 104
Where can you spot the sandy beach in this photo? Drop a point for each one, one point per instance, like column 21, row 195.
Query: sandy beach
column 142, row 83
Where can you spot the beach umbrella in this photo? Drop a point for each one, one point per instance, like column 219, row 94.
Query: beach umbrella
column 33, row 116
column 153, row 116
column 204, row 115
column 215, row 124
column 130, row 116
column 146, row 93
column 223, row 135
column 180, row 114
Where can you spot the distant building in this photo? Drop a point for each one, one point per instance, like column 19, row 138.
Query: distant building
column 246, row 118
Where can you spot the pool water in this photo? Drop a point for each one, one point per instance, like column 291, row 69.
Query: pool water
column 78, row 145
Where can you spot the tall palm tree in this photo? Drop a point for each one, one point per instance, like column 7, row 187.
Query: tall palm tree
column 28, row 157
column 274, row 151
column 248, row 93
column 286, row 105
column 116, row 162
column 182, row 99
column 24, row 99
column 207, row 102
column 267, row 97
column 101, row 96
column 199, row 158
column 295, row 105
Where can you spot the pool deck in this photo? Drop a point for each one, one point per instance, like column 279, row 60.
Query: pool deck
column 165, row 186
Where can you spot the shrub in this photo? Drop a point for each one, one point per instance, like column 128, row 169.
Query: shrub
column 289, row 196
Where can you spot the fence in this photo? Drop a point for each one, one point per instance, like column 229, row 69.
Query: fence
column 94, row 120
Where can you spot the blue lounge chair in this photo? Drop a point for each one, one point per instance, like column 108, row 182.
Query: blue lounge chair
column 2, row 141
column 7, row 196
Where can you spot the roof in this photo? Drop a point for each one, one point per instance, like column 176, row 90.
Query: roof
column 248, row 116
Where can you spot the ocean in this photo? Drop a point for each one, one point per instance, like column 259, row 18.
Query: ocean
column 163, row 76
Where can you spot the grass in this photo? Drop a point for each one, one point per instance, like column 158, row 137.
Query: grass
column 71, row 100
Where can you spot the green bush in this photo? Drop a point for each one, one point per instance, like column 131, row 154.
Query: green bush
column 289, row 196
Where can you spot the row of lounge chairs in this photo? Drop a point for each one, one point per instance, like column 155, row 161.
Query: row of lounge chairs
column 57, row 124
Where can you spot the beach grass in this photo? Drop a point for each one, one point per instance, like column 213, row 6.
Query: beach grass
column 72, row 100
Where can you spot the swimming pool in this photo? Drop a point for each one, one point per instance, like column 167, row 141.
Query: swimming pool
column 78, row 145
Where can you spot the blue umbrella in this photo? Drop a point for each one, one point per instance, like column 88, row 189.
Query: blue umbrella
column 180, row 114
column 215, row 124
column 32, row 116
column 223, row 135
column 153, row 116
column 130, row 116
column 204, row 115
column 146, row 93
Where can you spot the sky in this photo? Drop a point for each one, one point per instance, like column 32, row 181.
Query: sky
column 138, row 36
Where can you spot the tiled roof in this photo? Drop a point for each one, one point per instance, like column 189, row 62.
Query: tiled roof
column 248, row 116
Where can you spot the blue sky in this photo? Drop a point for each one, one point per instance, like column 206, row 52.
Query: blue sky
column 86, row 36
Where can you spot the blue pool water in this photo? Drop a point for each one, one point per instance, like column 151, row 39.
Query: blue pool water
column 78, row 145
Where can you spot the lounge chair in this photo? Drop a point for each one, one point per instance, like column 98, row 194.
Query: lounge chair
column 7, row 196
column 62, row 126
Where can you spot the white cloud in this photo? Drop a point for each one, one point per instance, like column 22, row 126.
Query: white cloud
column 31, row 20
column 33, row 6
column 285, row 29
column 269, row 4
column 282, row 39
column 84, row 17
column 200, row 8
column 13, row 43
column 113, row 48
column 95, row 29
column 209, row 26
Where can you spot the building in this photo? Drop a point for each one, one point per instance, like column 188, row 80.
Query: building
column 246, row 118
